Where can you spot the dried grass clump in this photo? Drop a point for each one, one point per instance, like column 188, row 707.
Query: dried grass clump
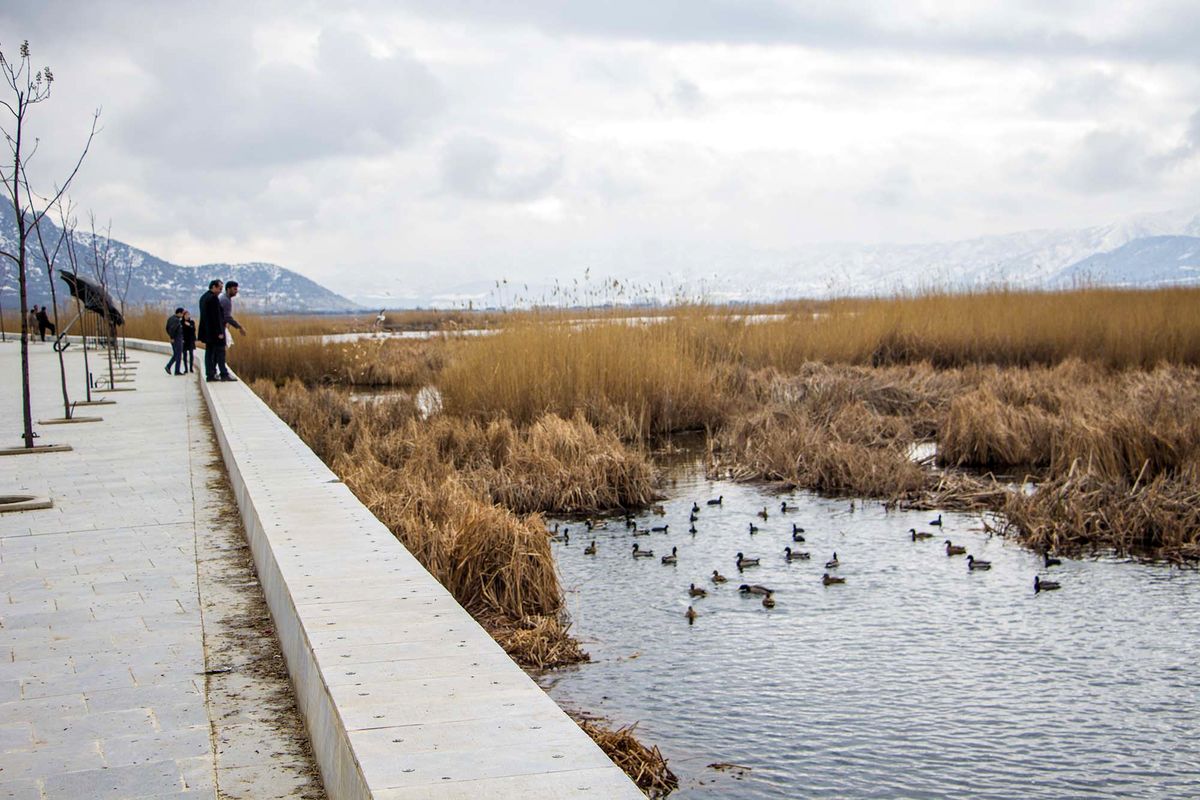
column 537, row 642
column 1049, row 418
column 980, row 430
column 786, row 445
column 644, row 765
column 1082, row 511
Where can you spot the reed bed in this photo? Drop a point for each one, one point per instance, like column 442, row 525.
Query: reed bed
column 1120, row 423
column 1155, row 517
column 463, row 496
column 644, row 765
column 638, row 379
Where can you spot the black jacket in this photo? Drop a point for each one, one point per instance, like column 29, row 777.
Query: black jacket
column 189, row 334
column 212, row 320
column 175, row 327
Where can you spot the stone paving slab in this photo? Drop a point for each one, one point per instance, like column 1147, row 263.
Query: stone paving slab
column 112, row 607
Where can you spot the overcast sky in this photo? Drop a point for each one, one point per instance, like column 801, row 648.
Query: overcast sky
column 387, row 144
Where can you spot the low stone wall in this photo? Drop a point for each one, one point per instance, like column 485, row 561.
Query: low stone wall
column 404, row 695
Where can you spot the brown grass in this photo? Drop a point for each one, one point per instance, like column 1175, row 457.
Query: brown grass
column 1158, row 517
column 436, row 484
column 644, row 765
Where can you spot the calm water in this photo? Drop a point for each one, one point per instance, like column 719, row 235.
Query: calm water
column 914, row 679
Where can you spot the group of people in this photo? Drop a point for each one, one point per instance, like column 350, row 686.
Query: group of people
column 38, row 318
column 216, row 316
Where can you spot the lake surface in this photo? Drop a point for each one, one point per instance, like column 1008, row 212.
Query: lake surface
column 914, row 679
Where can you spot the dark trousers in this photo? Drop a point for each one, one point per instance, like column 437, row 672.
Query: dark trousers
column 189, row 358
column 176, row 356
column 45, row 326
column 214, row 359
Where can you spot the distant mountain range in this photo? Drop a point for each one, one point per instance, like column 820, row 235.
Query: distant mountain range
column 1141, row 251
column 1148, row 261
column 153, row 281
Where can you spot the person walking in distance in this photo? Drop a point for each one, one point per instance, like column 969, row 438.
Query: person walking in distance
column 211, row 331
column 189, row 342
column 175, row 333
column 33, row 320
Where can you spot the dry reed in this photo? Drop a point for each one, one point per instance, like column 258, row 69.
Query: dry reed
column 436, row 485
column 644, row 765
column 1155, row 517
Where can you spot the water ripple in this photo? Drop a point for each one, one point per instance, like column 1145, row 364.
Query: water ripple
column 914, row 679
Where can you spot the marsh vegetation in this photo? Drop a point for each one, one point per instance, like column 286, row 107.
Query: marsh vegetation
column 1089, row 396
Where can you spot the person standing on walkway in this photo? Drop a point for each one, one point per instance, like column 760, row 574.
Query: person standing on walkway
column 33, row 320
column 189, row 342
column 175, row 334
column 44, row 323
column 211, row 331
column 231, row 291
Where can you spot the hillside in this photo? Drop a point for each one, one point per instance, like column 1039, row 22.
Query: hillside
column 153, row 281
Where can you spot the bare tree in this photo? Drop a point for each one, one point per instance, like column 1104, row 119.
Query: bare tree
column 68, row 224
column 49, row 258
column 102, row 271
column 26, row 88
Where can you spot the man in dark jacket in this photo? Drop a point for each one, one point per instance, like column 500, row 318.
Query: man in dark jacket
column 44, row 323
column 175, row 332
column 212, row 333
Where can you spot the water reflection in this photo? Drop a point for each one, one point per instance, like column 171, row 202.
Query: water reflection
column 917, row 678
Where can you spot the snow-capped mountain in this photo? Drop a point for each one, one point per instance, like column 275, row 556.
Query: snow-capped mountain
column 152, row 281
column 661, row 272
column 1148, row 261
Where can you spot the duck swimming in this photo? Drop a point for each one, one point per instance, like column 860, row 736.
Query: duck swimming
column 660, row 528
column 1049, row 561
column 954, row 549
column 794, row 556
column 768, row 602
column 671, row 559
column 937, row 523
column 798, row 537
column 691, row 615
column 743, row 562
column 695, row 591
column 590, row 550
column 829, row 580
column 919, row 535
column 1040, row 585
column 763, row 513
column 692, row 530
column 833, row 563
column 718, row 577
column 785, row 508
column 639, row 553
column 756, row 588
column 715, row 502
column 695, row 507
column 753, row 529
column 974, row 563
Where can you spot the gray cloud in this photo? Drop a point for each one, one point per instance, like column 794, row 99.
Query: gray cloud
column 1163, row 30
column 1085, row 93
column 477, row 168
column 684, row 96
column 211, row 108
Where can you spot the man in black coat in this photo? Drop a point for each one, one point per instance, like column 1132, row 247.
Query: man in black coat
column 212, row 333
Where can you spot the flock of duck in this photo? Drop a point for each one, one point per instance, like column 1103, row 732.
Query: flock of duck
column 743, row 562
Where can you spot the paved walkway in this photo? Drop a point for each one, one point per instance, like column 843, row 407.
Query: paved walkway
column 136, row 656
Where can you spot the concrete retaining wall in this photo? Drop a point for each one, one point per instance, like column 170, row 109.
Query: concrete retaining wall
column 404, row 695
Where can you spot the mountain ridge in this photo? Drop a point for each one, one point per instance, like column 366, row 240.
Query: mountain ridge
column 154, row 281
